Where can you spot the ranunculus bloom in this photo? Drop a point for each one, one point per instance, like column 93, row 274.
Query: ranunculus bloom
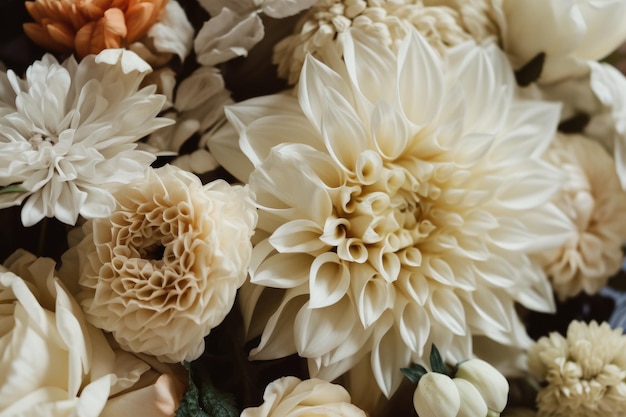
column 399, row 197
column 291, row 397
column 594, row 201
column 89, row 27
column 163, row 269
column 68, row 133
column 56, row 364
column 583, row 374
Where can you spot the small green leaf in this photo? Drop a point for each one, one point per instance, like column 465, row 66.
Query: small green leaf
column 530, row 72
column 14, row 188
column 205, row 400
column 414, row 372
column 436, row 363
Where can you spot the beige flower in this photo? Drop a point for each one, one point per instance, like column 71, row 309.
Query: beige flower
column 443, row 23
column 584, row 373
column 593, row 199
column 291, row 397
column 163, row 269
column 55, row 363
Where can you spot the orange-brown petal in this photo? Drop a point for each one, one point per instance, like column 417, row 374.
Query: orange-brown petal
column 40, row 36
column 115, row 22
column 83, row 39
column 62, row 34
column 139, row 19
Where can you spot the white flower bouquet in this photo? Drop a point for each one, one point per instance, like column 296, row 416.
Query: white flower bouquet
column 287, row 208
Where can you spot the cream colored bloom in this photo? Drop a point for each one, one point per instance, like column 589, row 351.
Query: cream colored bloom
column 436, row 395
column 320, row 30
column 68, row 133
column 489, row 382
column 291, row 397
column 593, row 199
column 569, row 32
column 54, row 362
column 584, row 373
column 396, row 213
column 163, row 269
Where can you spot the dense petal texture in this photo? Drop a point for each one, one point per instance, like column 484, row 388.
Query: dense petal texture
column 593, row 199
column 396, row 209
column 88, row 27
column 68, row 133
column 291, row 397
column 54, row 363
column 584, row 374
column 163, row 269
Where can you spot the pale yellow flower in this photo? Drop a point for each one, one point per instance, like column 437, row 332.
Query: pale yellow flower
column 584, row 373
column 163, row 269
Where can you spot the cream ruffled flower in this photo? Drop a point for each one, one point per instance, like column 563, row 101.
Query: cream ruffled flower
column 56, row 364
column 593, row 199
column 291, row 397
column 443, row 23
column 163, row 269
column 398, row 212
column 584, row 373
column 68, row 131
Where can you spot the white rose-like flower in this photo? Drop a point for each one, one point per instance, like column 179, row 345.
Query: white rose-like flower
column 436, row 395
column 67, row 131
column 569, row 32
column 163, row 269
column 593, row 199
column 443, row 23
column 56, row 364
column 398, row 212
column 291, row 397
column 583, row 374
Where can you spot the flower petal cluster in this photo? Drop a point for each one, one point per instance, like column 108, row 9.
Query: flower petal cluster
column 593, row 199
column 163, row 269
column 55, row 363
column 396, row 209
column 319, row 31
column 291, row 397
column 89, row 27
column 68, row 133
column 584, row 373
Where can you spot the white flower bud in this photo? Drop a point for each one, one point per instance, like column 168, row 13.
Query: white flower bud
column 436, row 396
column 472, row 403
column 490, row 383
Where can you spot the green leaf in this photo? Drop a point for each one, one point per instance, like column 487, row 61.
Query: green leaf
column 205, row 400
column 530, row 72
column 414, row 373
column 436, row 363
column 14, row 188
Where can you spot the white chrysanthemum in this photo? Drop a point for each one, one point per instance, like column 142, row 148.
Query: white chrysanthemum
column 399, row 199
column 163, row 269
column 585, row 373
column 444, row 23
column 67, row 131
column 593, row 199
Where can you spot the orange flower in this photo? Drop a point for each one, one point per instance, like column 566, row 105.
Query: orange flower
column 89, row 26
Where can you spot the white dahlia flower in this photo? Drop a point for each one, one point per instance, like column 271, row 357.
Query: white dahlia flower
column 399, row 199
column 163, row 269
column 443, row 23
column 593, row 199
column 68, row 132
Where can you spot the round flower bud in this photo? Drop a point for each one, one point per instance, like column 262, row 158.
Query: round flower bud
column 490, row 383
column 472, row 403
column 436, row 396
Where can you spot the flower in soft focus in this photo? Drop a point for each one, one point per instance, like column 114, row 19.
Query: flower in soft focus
column 291, row 397
column 55, row 363
column 443, row 23
column 583, row 374
column 569, row 32
column 88, row 27
column 472, row 402
column 397, row 213
column 163, row 269
column 593, row 199
column 68, row 133
column 436, row 395
column 489, row 382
